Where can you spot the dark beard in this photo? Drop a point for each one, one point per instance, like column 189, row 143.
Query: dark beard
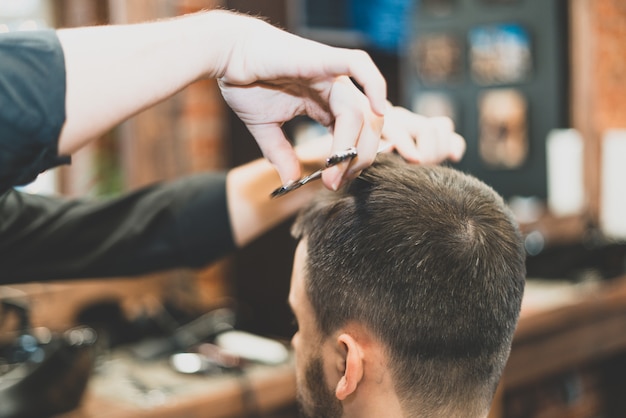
column 324, row 403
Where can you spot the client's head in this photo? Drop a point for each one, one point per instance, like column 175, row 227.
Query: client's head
column 407, row 286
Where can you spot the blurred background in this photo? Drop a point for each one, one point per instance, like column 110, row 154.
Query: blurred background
column 536, row 87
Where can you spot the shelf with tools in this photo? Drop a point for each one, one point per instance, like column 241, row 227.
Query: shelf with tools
column 569, row 352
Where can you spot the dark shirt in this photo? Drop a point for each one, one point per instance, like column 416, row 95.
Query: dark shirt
column 183, row 223
column 32, row 105
column 179, row 224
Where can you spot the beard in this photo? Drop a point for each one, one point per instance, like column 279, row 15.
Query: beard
column 320, row 402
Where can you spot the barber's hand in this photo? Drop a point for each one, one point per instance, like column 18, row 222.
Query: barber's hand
column 272, row 76
column 421, row 139
column 417, row 138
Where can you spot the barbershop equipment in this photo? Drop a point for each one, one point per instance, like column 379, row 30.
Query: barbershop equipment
column 190, row 351
column 185, row 336
column 230, row 350
column 252, row 347
column 177, row 353
column 42, row 373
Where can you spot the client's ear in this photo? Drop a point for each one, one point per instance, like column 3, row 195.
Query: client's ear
column 350, row 367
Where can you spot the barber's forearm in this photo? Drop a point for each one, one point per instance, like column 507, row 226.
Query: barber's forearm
column 113, row 72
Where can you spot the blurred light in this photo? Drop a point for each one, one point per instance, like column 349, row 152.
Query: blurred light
column 29, row 24
column 44, row 184
column 4, row 28
column 534, row 243
column 18, row 8
column 612, row 196
column 565, row 165
column 526, row 209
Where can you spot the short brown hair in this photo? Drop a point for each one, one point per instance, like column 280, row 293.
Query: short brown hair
column 431, row 261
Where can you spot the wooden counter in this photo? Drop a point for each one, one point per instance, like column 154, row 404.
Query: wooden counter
column 563, row 329
column 126, row 388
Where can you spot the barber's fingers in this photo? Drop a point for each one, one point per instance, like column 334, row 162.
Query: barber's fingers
column 368, row 145
column 420, row 139
column 278, row 150
column 437, row 141
column 346, row 131
column 332, row 63
column 431, row 139
column 398, row 132
column 457, row 147
column 355, row 125
column 364, row 71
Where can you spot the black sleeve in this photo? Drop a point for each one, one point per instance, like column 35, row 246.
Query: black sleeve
column 179, row 224
column 32, row 105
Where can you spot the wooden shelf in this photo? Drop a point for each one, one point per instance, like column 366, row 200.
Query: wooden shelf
column 582, row 327
column 127, row 388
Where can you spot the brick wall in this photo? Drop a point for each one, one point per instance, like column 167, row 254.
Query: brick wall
column 609, row 74
column 598, row 78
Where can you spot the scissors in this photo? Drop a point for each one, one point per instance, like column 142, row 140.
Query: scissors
column 333, row 160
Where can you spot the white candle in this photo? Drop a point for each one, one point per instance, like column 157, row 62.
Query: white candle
column 566, row 192
column 613, row 185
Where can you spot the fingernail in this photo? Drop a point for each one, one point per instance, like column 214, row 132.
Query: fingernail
column 335, row 175
column 337, row 182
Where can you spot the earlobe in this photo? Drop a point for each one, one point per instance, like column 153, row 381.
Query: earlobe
column 352, row 367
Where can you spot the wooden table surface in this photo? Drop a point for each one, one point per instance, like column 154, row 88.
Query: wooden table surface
column 126, row 388
column 563, row 326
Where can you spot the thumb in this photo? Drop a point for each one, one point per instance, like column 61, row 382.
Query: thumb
column 278, row 150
